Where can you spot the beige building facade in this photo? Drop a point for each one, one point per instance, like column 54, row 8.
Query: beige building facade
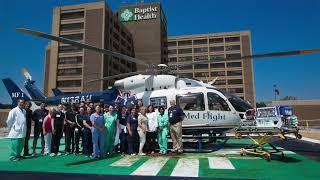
column 70, row 68
column 233, row 75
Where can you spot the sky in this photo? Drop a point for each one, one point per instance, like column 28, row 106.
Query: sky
column 275, row 25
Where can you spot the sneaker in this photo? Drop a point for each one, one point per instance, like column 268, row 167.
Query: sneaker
column 46, row 154
column 180, row 151
column 52, row 154
column 133, row 154
column 142, row 154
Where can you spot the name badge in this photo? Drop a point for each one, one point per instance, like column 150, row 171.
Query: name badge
column 58, row 115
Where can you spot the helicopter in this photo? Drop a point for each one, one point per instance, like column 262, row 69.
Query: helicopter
column 208, row 110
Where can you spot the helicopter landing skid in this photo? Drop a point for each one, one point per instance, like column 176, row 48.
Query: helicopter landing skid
column 201, row 143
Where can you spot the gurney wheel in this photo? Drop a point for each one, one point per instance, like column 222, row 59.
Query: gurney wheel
column 299, row 136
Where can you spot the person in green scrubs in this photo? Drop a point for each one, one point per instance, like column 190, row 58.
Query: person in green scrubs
column 111, row 124
column 163, row 123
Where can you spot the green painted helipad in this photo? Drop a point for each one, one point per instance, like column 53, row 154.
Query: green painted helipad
column 225, row 163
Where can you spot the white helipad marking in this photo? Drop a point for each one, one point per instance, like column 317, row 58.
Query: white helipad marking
column 126, row 161
column 186, row 168
column 220, row 163
column 151, row 167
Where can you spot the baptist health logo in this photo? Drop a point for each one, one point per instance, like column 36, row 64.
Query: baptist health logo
column 127, row 15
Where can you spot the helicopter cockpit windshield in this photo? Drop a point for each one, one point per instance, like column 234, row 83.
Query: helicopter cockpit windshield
column 239, row 104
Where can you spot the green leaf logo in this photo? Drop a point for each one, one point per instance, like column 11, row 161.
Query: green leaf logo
column 126, row 15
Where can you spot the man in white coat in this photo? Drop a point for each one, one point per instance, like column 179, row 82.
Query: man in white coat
column 17, row 125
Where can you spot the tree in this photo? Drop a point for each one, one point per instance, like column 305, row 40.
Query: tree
column 261, row 104
column 286, row 98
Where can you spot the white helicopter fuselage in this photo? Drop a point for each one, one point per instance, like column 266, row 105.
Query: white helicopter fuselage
column 205, row 107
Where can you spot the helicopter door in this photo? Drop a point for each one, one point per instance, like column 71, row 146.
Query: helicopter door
column 193, row 106
column 219, row 111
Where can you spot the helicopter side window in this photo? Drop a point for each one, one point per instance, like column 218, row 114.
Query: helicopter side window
column 157, row 102
column 216, row 103
column 191, row 102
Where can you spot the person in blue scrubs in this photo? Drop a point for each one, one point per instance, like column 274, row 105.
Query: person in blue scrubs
column 97, row 131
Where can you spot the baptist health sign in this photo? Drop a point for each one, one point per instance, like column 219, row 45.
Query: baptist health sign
column 137, row 14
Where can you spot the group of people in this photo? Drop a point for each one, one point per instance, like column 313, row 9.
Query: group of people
column 99, row 129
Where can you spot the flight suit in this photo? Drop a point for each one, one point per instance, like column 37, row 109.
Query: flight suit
column 163, row 123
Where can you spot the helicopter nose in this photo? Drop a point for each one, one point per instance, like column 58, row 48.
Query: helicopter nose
column 119, row 84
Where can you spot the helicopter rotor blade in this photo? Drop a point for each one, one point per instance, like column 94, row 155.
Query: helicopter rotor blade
column 117, row 76
column 81, row 45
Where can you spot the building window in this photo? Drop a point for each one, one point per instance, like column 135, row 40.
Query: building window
column 235, row 90
column 200, row 50
column 184, row 51
column 69, row 83
column 116, row 36
column 216, row 40
column 185, row 43
column 217, row 57
column 69, row 27
column 216, row 103
column 172, row 51
column 172, row 43
column 115, row 46
column 200, row 58
column 232, row 39
column 69, row 71
column 201, row 66
column 234, row 81
column 216, row 48
column 173, row 59
column 218, row 73
column 191, row 102
column 186, row 58
column 201, row 74
column 233, row 56
column 186, row 66
column 200, row 41
column 218, row 65
column 186, row 75
column 220, row 82
column 157, row 102
column 233, row 48
column 70, row 60
column 123, row 42
column 72, row 15
column 75, row 37
column 68, row 49
column 234, row 73
column 234, row 64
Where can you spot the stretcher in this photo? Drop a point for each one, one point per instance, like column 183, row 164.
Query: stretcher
column 261, row 137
